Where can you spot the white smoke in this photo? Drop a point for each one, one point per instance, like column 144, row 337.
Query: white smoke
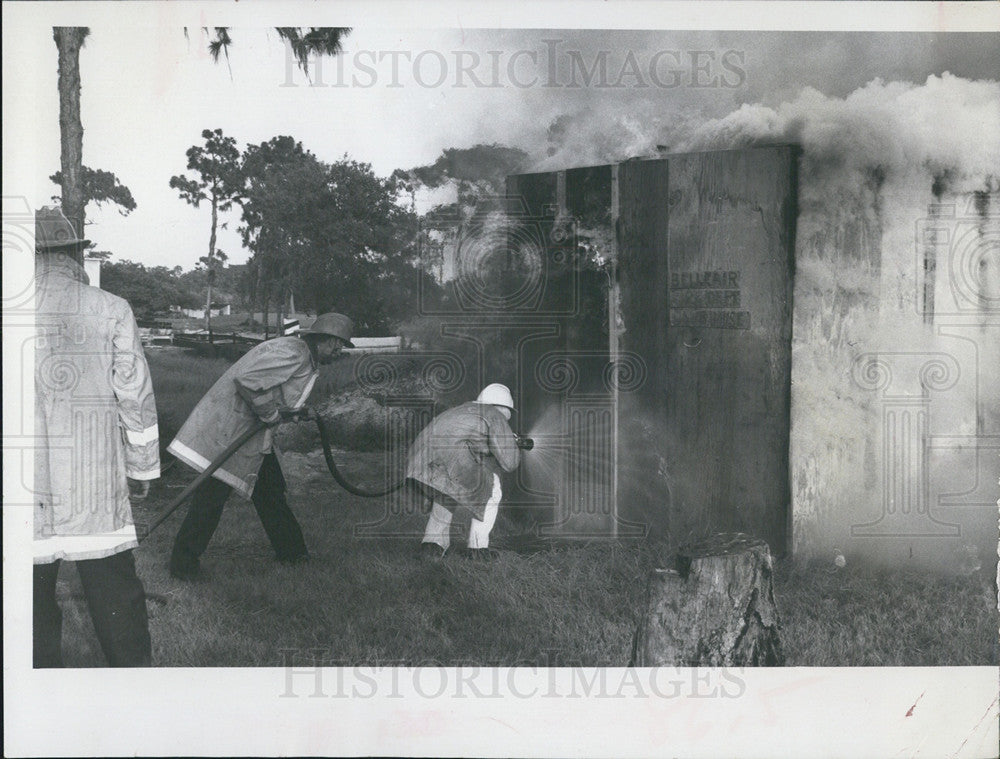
column 873, row 163
column 948, row 127
column 605, row 133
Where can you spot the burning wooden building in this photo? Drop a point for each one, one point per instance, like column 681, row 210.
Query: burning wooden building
column 754, row 340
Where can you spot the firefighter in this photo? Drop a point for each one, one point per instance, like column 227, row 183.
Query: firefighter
column 456, row 463
column 95, row 418
column 271, row 379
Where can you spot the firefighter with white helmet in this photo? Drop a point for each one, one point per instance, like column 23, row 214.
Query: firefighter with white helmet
column 456, row 463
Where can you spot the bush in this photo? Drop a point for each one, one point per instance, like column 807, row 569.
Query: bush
column 365, row 416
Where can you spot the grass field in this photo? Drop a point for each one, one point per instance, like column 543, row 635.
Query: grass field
column 366, row 600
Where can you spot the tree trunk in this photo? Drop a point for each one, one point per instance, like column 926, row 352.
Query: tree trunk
column 69, row 40
column 267, row 314
column 211, row 263
column 280, row 332
column 715, row 608
column 208, row 306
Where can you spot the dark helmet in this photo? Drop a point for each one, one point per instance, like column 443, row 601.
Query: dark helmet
column 53, row 230
column 336, row 325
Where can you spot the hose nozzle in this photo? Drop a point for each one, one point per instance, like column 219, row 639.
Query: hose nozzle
column 524, row 443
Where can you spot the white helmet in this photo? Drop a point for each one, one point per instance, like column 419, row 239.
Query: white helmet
column 496, row 395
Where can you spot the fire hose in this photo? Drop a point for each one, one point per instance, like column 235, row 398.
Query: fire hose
column 304, row 414
column 324, row 438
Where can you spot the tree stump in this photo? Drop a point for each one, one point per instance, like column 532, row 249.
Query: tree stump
column 714, row 608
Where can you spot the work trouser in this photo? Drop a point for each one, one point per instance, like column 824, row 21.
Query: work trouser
column 268, row 498
column 439, row 523
column 117, row 604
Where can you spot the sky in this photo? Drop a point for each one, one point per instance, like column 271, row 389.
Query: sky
column 401, row 96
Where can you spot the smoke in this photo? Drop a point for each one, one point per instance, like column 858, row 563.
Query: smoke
column 580, row 139
column 875, row 165
column 462, row 175
column 878, row 164
column 947, row 127
column 479, row 163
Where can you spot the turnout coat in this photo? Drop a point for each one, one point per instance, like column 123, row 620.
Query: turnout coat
column 95, row 416
column 277, row 373
column 458, row 453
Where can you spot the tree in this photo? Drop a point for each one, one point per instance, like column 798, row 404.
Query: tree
column 332, row 235
column 476, row 173
column 69, row 40
column 283, row 186
column 218, row 181
column 151, row 291
column 304, row 43
column 227, row 285
column 374, row 247
column 99, row 186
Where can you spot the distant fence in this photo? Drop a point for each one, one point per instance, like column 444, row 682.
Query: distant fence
column 156, row 335
column 376, row 345
column 231, row 345
column 235, row 344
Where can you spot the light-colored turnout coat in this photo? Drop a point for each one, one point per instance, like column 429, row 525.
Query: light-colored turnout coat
column 95, row 416
column 458, row 453
column 274, row 374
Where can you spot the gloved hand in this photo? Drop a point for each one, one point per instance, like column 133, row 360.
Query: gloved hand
column 137, row 489
column 295, row 415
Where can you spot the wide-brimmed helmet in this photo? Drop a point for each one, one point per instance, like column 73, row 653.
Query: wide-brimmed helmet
column 336, row 325
column 53, row 231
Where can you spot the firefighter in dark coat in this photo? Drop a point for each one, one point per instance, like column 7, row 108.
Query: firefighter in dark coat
column 275, row 375
column 456, row 462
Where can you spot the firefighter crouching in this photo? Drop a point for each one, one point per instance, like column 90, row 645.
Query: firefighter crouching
column 455, row 462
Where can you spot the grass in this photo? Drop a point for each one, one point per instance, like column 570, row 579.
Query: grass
column 180, row 379
column 369, row 601
column 867, row 617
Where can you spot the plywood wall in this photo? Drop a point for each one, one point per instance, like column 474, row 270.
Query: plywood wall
column 892, row 393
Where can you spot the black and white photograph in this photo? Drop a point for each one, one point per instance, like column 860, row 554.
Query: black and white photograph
column 565, row 379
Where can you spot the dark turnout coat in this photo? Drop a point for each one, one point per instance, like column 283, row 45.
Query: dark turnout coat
column 458, row 453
